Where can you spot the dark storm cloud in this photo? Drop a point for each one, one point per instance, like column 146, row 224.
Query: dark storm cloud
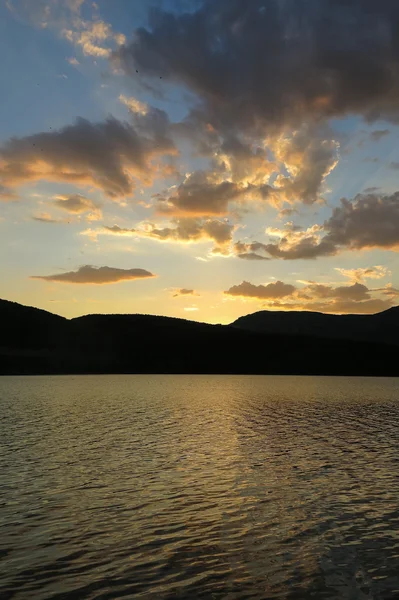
column 273, row 62
column 97, row 275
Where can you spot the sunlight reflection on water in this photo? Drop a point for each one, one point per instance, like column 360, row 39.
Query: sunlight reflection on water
column 199, row 487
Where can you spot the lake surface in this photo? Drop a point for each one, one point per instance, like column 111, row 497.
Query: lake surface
column 228, row 487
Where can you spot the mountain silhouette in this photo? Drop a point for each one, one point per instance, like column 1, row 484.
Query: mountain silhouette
column 381, row 327
column 34, row 341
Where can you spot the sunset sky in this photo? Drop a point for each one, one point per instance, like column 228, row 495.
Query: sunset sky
column 199, row 159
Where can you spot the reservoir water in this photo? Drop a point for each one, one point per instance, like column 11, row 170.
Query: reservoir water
column 219, row 487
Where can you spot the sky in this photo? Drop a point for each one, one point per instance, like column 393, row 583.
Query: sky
column 199, row 159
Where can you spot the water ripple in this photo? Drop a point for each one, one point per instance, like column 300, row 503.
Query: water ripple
column 162, row 487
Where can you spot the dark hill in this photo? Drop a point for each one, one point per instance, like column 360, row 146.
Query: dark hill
column 381, row 327
column 36, row 342
column 29, row 328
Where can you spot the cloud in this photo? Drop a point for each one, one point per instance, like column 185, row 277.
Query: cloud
column 309, row 156
column 356, row 292
column 76, row 204
column 287, row 212
column 250, row 251
column 293, row 243
column 245, row 162
column 97, row 275
column 6, row 193
column 394, row 165
column 200, row 195
column 372, row 306
column 45, row 217
column 184, row 230
column 109, row 155
column 253, row 156
column 389, row 290
column 370, row 221
column 247, row 110
column 95, row 38
column 183, row 292
column 320, row 59
column 134, row 105
column 377, row 272
column 367, row 222
column 356, row 298
column 302, row 160
column 378, row 134
column 272, row 290
column 73, row 61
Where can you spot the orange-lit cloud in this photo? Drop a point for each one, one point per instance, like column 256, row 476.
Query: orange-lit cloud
column 184, row 230
column 110, row 155
column 377, row 272
column 241, row 162
column 309, row 155
column 367, row 222
column 372, row 306
column 76, row 204
column 388, row 290
column 200, row 194
column 356, row 298
column 96, row 275
column 94, row 38
column 134, row 105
